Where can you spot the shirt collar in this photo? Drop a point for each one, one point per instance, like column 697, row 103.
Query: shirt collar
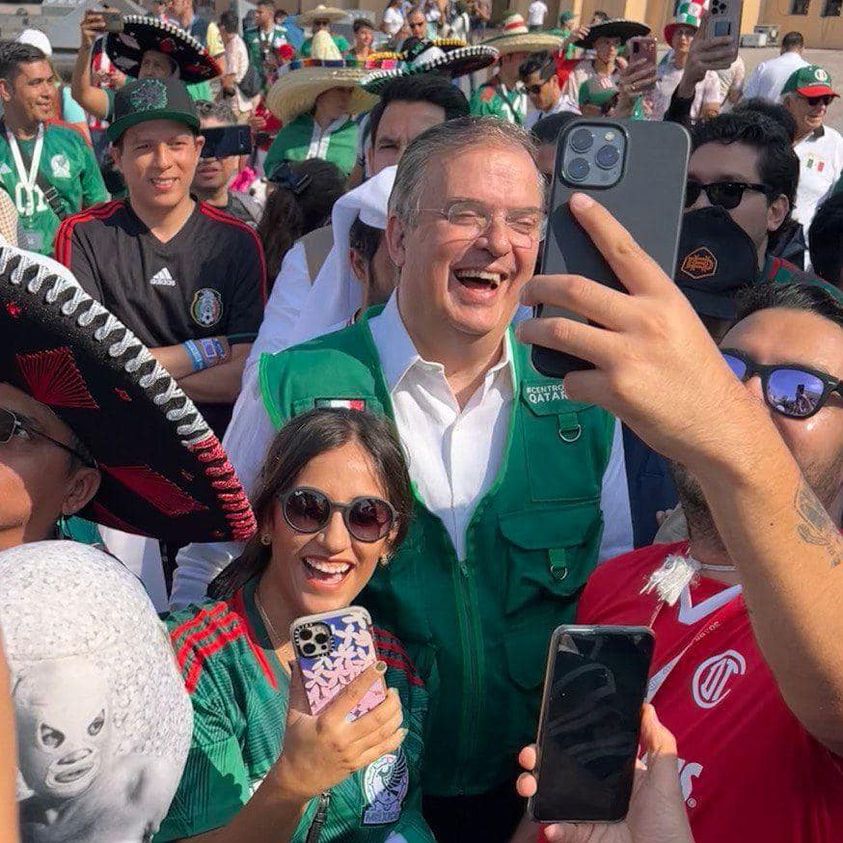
column 398, row 354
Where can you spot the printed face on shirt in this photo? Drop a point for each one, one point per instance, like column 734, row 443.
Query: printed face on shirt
column 714, row 162
column 158, row 160
column 808, row 117
column 318, row 572
column 155, row 65
column 793, row 336
column 31, row 94
column 212, row 174
column 400, row 123
column 456, row 284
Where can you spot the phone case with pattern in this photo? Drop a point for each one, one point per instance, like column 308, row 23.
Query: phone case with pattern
column 328, row 666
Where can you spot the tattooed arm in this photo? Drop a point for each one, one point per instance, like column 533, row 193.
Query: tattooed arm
column 648, row 345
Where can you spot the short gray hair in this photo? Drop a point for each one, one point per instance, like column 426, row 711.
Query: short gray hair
column 448, row 138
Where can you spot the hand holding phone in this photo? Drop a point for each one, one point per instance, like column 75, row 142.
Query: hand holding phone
column 640, row 73
column 589, row 724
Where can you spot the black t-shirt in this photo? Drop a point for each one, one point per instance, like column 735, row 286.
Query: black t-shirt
column 208, row 280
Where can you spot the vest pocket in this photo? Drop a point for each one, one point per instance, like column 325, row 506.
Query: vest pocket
column 550, row 554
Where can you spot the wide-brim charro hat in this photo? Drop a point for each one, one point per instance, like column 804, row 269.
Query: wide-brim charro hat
column 449, row 56
column 164, row 473
column 142, row 33
column 517, row 38
column 618, row 28
column 320, row 12
column 300, row 83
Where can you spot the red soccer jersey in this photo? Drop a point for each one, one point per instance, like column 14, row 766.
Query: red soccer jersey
column 749, row 770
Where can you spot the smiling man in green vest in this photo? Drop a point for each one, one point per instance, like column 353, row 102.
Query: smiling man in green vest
column 510, row 478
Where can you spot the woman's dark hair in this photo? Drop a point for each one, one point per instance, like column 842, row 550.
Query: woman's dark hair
column 813, row 297
column 296, row 444
column 289, row 215
column 774, row 110
column 361, row 23
column 826, row 239
column 778, row 165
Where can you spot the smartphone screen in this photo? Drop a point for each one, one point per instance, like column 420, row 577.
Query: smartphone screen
column 590, row 721
column 224, row 141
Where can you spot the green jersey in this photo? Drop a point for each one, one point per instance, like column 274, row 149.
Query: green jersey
column 239, row 693
column 303, row 138
column 494, row 99
column 66, row 163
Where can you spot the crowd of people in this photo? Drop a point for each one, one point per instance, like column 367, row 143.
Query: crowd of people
column 265, row 353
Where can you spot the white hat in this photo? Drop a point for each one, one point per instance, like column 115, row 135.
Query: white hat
column 336, row 293
column 36, row 38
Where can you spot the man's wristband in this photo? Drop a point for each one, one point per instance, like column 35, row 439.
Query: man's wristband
column 205, row 353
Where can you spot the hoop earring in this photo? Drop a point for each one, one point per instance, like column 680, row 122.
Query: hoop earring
column 266, row 540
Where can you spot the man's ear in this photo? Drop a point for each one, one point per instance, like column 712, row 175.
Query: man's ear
column 395, row 240
column 777, row 212
column 82, row 487
column 358, row 266
column 5, row 90
column 116, row 150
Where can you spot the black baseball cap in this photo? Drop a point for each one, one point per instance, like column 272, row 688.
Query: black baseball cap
column 152, row 99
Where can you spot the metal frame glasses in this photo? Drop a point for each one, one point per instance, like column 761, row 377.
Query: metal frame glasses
column 526, row 226
column 11, row 425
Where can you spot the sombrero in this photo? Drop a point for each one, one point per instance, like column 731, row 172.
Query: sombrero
column 618, row 28
column 328, row 13
column 451, row 56
column 687, row 14
column 141, row 33
column 517, row 38
column 301, row 81
column 164, row 473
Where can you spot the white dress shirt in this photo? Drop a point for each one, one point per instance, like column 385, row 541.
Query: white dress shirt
column 820, row 168
column 767, row 80
column 453, row 454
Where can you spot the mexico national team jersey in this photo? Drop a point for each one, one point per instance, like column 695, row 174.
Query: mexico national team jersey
column 66, row 163
column 749, row 770
column 239, row 694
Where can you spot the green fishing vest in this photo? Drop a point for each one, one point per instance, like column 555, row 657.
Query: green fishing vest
column 478, row 629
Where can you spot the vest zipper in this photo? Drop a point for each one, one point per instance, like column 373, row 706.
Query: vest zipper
column 470, row 639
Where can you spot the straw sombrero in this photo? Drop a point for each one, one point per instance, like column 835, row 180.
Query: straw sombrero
column 301, row 82
column 328, row 13
column 451, row 56
column 141, row 33
column 163, row 472
column 517, row 38
column 618, row 28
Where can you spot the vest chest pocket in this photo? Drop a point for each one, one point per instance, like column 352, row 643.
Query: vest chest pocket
column 549, row 557
column 564, row 458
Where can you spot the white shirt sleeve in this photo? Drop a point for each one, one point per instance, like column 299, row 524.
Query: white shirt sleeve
column 289, row 293
column 711, row 88
column 614, row 501
column 246, row 441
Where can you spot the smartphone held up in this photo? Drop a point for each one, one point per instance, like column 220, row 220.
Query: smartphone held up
column 589, row 726
column 332, row 649
column 637, row 170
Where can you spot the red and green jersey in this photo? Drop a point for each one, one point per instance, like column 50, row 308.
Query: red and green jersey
column 239, row 693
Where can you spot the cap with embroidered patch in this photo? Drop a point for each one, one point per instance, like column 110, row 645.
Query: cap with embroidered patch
column 152, row 99
column 810, row 81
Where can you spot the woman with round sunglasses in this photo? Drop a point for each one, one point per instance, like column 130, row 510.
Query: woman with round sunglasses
column 332, row 504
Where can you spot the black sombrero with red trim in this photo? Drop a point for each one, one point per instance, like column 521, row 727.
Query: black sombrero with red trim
column 164, row 473
column 142, row 33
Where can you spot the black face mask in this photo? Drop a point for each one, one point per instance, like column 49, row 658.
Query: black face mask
column 716, row 259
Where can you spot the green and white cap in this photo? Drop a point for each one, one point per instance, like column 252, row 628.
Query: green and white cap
column 810, row 81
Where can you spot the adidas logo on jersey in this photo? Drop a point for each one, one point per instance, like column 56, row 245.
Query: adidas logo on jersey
column 162, row 278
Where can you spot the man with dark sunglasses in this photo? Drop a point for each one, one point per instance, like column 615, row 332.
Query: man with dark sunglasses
column 538, row 73
column 746, row 671
column 807, row 95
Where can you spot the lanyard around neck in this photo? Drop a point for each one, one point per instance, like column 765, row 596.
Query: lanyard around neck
column 27, row 179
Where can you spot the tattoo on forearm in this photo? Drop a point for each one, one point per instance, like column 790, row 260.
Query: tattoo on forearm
column 815, row 525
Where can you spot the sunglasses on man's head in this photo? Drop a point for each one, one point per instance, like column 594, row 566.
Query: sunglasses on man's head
column 367, row 519
column 726, row 194
column 790, row 389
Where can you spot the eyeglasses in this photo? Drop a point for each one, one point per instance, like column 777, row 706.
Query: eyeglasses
column 790, row 389
column 526, row 226
column 13, row 427
column 726, row 194
column 825, row 99
column 308, row 510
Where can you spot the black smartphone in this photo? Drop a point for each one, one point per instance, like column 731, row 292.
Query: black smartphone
column 223, row 141
column 590, row 722
column 637, row 170
column 113, row 20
